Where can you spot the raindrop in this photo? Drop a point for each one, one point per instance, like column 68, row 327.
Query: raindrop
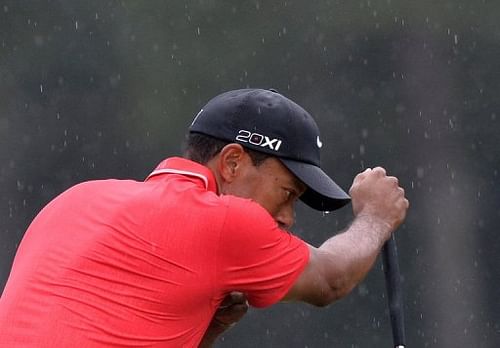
column 363, row 290
column 76, row 25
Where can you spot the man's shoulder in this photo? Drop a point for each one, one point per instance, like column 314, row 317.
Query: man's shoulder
column 101, row 187
column 246, row 211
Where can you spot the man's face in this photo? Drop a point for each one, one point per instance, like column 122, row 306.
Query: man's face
column 271, row 185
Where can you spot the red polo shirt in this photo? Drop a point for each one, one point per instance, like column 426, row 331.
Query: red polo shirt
column 121, row 263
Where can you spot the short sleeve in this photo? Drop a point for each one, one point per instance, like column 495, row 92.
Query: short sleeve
column 256, row 256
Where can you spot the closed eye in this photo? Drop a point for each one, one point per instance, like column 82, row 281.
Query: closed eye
column 289, row 193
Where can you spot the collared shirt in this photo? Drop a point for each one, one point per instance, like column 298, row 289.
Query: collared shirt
column 122, row 263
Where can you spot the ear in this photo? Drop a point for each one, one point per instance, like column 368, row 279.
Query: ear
column 232, row 160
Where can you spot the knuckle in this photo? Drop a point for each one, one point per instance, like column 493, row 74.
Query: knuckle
column 394, row 180
column 360, row 177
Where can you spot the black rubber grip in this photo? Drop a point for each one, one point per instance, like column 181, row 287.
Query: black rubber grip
column 394, row 292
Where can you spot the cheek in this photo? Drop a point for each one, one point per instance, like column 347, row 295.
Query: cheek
column 265, row 190
column 271, row 199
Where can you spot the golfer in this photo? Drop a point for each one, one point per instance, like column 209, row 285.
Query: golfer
column 175, row 260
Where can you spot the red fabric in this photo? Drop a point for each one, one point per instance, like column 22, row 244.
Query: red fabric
column 120, row 263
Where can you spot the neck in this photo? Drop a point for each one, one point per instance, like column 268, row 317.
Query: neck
column 212, row 165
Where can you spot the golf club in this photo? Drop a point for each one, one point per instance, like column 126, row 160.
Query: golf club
column 394, row 293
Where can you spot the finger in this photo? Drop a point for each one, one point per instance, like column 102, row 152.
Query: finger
column 393, row 180
column 231, row 314
column 232, row 298
column 361, row 176
column 237, row 297
column 407, row 203
column 232, row 310
column 379, row 171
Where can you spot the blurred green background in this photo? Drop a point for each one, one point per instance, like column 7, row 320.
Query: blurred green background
column 97, row 89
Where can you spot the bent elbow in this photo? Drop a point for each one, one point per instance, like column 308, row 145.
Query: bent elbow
column 332, row 294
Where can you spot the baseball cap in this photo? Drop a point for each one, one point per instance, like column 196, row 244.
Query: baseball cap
column 266, row 121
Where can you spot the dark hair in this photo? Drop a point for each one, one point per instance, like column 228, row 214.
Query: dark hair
column 202, row 148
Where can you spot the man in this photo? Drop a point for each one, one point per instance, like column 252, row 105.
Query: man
column 173, row 260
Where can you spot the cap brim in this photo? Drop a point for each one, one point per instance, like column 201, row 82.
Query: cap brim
column 322, row 192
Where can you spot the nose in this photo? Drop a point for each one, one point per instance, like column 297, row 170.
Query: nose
column 285, row 218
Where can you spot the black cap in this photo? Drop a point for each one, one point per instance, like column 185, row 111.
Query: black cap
column 266, row 121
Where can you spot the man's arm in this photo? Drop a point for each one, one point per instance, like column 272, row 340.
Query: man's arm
column 232, row 309
column 340, row 263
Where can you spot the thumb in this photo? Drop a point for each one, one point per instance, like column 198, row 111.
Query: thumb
column 361, row 176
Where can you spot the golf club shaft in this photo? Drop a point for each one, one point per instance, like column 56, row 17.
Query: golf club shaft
column 394, row 293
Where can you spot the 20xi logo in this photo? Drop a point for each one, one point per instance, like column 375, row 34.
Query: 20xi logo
column 258, row 139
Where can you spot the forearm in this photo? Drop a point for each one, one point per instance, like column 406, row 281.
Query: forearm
column 230, row 311
column 339, row 264
column 213, row 332
column 353, row 252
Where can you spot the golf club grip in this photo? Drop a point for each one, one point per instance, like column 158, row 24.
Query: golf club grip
column 394, row 293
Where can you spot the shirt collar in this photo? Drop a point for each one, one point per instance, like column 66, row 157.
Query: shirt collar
column 178, row 165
